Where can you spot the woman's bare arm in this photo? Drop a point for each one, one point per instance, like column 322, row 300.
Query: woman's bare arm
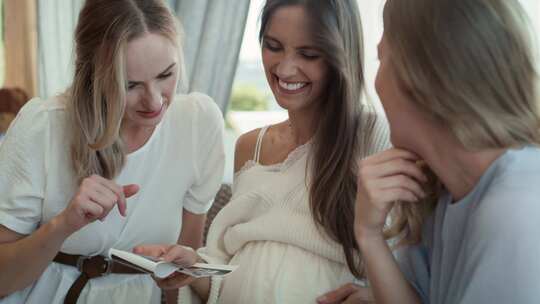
column 24, row 258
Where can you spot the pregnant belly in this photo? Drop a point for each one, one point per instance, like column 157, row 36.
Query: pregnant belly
column 272, row 272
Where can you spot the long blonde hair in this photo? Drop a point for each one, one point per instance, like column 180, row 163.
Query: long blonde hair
column 97, row 95
column 469, row 64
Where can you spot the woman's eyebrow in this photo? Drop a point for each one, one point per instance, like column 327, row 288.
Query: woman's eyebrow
column 168, row 68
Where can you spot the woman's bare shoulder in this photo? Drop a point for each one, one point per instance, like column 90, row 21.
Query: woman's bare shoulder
column 245, row 148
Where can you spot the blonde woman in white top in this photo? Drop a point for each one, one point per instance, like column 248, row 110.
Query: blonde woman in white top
column 119, row 138
column 289, row 224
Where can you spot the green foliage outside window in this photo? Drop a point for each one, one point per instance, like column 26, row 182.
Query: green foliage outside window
column 248, row 98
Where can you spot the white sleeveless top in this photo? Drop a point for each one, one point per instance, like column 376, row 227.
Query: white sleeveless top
column 281, row 268
column 268, row 231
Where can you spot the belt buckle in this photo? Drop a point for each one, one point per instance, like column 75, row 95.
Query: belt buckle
column 108, row 266
column 105, row 265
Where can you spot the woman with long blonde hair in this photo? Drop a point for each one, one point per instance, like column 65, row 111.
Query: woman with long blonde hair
column 458, row 83
column 118, row 160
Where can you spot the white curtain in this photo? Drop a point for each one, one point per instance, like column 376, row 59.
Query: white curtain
column 532, row 7
column 56, row 24
column 372, row 26
column 214, row 31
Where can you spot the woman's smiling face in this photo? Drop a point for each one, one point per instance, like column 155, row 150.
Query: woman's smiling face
column 295, row 69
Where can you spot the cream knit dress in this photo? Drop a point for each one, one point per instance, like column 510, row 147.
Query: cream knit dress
column 268, row 231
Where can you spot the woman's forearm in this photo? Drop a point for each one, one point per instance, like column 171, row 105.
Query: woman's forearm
column 171, row 296
column 191, row 236
column 192, row 229
column 202, row 288
column 387, row 283
column 24, row 260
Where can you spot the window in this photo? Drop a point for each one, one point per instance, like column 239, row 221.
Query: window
column 532, row 8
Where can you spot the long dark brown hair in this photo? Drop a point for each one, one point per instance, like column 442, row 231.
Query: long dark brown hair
column 337, row 33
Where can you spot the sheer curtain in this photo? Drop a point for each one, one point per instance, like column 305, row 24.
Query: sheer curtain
column 56, row 23
column 532, row 7
column 214, row 31
column 372, row 23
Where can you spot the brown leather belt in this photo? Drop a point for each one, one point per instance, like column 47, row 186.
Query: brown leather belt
column 90, row 267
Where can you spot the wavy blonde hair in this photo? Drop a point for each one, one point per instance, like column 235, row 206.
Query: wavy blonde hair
column 96, row 99
column 469, row 64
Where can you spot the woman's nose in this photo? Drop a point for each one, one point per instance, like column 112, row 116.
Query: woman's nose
column 287, row 67
column 153, row 99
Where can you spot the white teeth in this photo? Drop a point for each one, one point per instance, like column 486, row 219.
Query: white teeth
column 291, row 86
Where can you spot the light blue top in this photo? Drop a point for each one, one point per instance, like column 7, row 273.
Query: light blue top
column 484, row 248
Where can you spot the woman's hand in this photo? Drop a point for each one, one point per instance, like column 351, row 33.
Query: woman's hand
column 347, row 294
column 94, row 199
column 178, row 254
column 384, row 178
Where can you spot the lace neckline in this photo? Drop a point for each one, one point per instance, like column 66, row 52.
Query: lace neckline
column 291, row 158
